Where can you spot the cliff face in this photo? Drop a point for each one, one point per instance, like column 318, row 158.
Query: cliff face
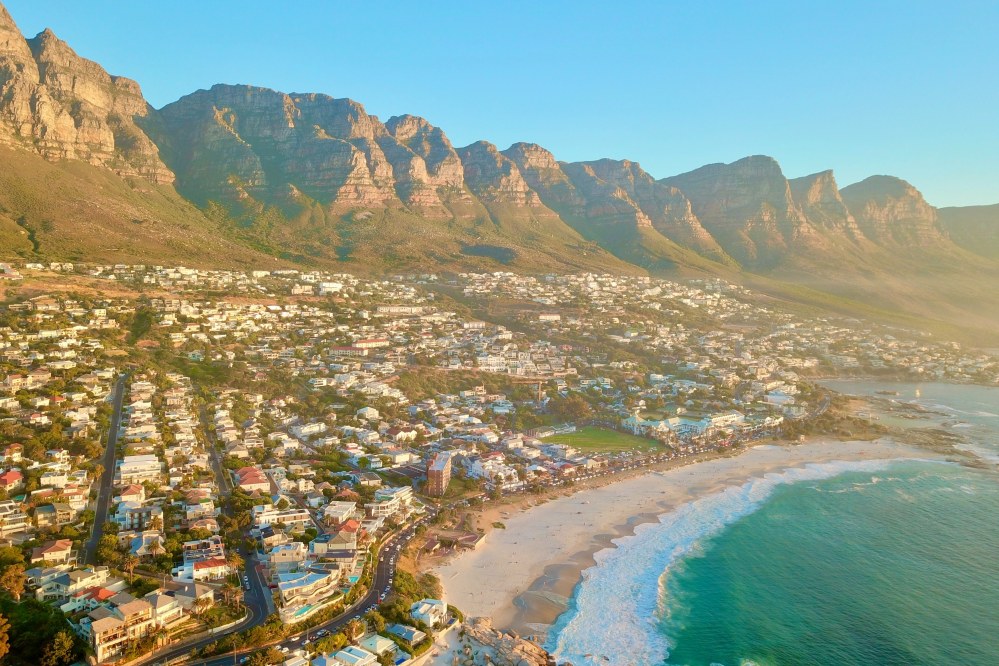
column 975, row 228
column 234, row 143
column 495, row 178
column 667, row 208
column 62, row 106
column 747, row 206
column 890, row 211
column 317, row 159
column 819, row 199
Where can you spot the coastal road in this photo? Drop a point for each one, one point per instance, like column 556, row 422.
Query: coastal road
column 105, row 487
column 384, row 572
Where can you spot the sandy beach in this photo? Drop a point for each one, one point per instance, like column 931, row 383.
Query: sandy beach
column 522, row 576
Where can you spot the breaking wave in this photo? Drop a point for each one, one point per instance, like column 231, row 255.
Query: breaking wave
column 613, row 618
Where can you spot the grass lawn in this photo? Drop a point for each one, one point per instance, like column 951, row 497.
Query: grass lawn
column 599, row 440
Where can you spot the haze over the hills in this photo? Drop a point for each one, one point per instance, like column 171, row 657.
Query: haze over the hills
column 239, row 174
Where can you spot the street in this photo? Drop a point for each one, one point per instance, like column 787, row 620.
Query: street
column 105, row 489
column 384, row 571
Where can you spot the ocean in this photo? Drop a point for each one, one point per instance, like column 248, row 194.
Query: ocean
column 876, row 562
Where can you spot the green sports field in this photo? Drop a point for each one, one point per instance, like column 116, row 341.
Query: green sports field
column 600, row 440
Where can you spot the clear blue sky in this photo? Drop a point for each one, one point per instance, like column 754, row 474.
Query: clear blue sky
column 904, row 88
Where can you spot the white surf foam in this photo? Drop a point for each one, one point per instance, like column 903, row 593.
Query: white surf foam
column 615, row 611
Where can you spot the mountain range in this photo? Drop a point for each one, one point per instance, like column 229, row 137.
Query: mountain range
column 246, row 176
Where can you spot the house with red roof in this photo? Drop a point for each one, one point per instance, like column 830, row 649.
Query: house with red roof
column 11, row 479
column 132, row 493
column 252, row 479
column 54, row 552
column 13, row 453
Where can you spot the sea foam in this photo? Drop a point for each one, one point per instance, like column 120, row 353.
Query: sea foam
column 615, row 611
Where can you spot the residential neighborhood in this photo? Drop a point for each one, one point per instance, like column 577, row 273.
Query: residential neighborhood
column 196, row 453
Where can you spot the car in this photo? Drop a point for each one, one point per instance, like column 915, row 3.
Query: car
column 244, row 659
column 381, row 597
column 322, row 632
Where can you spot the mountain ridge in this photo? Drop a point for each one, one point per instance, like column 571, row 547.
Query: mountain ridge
column 315, row 179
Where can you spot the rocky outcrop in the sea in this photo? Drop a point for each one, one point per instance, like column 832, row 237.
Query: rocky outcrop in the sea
column 496, row 647
column 62, row 106
column 890, row 211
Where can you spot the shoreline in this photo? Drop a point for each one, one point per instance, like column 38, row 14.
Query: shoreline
column 535, row 564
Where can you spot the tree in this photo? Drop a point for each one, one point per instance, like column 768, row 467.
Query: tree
column 375, row 621
column 265, row 657
column 60, row 651
column 10, row 555
column 236, row 561
column 330, row 644
column 107, row 549
column 201, row 605
column 4, row 637
column 131, row 561
column 13, row 579
column 354, row 629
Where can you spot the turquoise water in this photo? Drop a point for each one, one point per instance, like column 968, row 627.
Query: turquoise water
column 878, row 562
column 896, row 567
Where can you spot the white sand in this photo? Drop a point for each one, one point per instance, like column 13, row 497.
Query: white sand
column 484, row 582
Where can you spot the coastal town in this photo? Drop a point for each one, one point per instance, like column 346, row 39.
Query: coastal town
column 208, row 466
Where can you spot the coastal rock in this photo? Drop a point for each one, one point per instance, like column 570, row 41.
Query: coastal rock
column 505, row 649
column 62, row 106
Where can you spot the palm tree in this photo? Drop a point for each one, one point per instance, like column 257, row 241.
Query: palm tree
column 236, row 561
column 201, row 605
column 129, row 565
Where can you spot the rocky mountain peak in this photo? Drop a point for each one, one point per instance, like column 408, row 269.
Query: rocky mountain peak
column 12, row 42
column 62, row 106
column 494, row 177
column 429, row 142
column 406, row 127
column 531, row 156
column 747, row 206
column 888, row 209
column 819, row 199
